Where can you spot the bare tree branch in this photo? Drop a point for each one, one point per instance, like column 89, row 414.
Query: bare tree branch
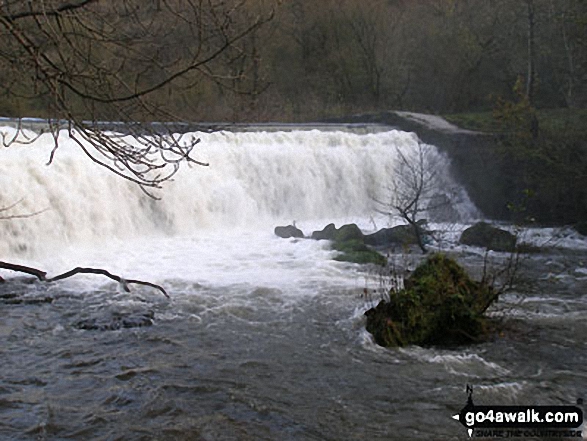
column 415, row 178
column 112, row 61
column 123, row 282
column 24, row 269
column 17, row 216
column 42, row 275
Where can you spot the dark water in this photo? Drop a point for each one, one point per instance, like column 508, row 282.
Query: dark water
column 265, row 366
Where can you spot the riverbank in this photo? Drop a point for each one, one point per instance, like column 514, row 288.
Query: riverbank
column 509, row 175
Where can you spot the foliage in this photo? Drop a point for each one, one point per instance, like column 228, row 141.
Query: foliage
column 517, row 117
column 537, row 170
column 439, row 305
column 546, row 166
column 313, row 60
column 551, row 121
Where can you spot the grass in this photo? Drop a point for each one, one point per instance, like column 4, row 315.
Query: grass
column 552, row 121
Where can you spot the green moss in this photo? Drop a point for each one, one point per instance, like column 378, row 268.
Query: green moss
column 356, row 251
column 362, row 257
column 557, row 122
column 440, row 305
column 478, row 121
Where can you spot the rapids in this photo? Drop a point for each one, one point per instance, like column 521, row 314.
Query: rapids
column 263, row 338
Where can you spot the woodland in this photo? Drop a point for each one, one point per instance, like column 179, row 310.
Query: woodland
column 288, row 60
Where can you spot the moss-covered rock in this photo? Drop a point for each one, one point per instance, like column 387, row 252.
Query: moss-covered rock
column 440, row 305
column 348, row 232
column 484, row 235
column 327, row 233
column 356, row 251
column 350, row 241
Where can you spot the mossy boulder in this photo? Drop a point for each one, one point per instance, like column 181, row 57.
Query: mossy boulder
column 348, row 232
column 342, row 234
column 327, row 233
column 349, row 240
column 356, row 251
column 439, row 305
column 484, row 235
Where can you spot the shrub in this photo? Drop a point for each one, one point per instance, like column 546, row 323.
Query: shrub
column 439, row 305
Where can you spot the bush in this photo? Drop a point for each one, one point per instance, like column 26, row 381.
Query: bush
column 439, row 305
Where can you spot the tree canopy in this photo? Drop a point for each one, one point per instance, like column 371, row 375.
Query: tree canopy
column 206, row 60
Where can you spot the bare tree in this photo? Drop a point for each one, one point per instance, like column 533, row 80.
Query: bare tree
column 413, row 184
column 93, row 61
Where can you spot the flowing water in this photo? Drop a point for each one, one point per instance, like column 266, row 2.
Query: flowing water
column 263, row 338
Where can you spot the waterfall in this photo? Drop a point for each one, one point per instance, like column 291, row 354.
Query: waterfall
column 254, row 179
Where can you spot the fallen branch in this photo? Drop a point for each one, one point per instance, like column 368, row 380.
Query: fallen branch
column 24, row 269
column 42, row 275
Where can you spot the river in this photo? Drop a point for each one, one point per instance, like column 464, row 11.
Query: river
column 262, row 338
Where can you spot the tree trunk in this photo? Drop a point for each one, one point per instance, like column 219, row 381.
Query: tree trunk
column 531, row 53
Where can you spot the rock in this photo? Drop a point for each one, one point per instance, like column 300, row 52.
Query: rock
column 484, row 235
column 327, row 233
column 14, row 299
column 348, row 239
column 348, row 232
column 356, row 251
column 342, row 234
column 289, row 231
column 117, row 321
column 398, row 235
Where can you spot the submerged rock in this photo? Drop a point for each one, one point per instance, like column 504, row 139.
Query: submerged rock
column 484, row 235
column 439, row 305
column 288, row 231
column 117, row 321
column 14, row 299
column 23, row 291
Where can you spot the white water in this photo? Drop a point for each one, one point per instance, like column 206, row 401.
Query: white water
column 261, row 333
column 254, row 182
